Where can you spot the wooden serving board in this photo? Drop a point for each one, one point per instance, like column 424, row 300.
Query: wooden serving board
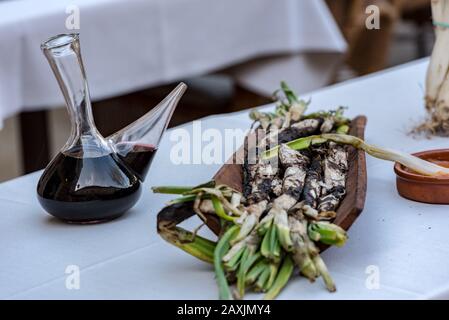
column 352, row 205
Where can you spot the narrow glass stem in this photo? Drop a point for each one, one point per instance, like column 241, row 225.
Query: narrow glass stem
column 63, row 54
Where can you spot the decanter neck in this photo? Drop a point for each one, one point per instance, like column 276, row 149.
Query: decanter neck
column 64, row 56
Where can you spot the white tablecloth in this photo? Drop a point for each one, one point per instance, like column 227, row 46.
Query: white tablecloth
column 405, row 240
column 133, row 44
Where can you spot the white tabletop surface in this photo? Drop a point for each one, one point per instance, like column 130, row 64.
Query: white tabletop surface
column 128, row 45
column 405, row 240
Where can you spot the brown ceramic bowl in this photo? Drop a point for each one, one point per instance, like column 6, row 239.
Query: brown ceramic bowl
column 413, row 186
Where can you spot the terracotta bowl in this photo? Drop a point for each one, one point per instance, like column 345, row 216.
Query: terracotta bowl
column 413, row 186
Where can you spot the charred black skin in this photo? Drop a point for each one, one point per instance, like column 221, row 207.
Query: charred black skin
column 246, row 179
column 335, row 166
column 295, row 192
column 338, row 192
column 292, row 133
column 263, row 192
column 246, row 170
column 335, row 193
column 313, row 174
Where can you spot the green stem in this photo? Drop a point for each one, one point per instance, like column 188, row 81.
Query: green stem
column 275, row 245
column 233, row 263
column 265, row 224
column 322, row 269
column 262, row 280
column 241, row 272
column 181, row 189
column 283, row 231
column 298, row 144
column 274, row 267
column 265, row 247
column 327, row 233
column 171, row 189
column 302, row 258
column 194, row 245
column 282, row 278
column 246, row 227
column 219, row 210
column 220, row 250
column 188, row 198
column 247, row 262
column 289, row 94
column 255, row 271
column 343, row 129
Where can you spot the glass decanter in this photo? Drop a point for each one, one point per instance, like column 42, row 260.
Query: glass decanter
column 94, row 179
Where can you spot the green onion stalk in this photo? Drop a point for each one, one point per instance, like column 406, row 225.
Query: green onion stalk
column 301, row 253
column 327, row 233
column 288, row 108
column 282, row 278
column 187, row 241
column 412, row 162
column 222, row 247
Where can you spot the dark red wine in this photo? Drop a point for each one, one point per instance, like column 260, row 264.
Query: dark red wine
column 136, row 156
column 87, row 189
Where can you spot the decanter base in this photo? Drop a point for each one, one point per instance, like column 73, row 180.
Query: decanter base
column 92, row 221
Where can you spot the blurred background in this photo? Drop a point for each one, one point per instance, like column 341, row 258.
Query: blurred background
column 231, row 53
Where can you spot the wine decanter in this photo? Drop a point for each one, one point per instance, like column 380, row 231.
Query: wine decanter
column 94, row 179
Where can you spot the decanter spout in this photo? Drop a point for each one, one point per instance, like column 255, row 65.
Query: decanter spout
column 137, row 143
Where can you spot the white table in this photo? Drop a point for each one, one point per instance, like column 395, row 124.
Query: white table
column 126, row 259
column 128, row 45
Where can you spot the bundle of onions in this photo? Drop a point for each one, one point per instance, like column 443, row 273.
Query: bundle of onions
column 437, row 80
